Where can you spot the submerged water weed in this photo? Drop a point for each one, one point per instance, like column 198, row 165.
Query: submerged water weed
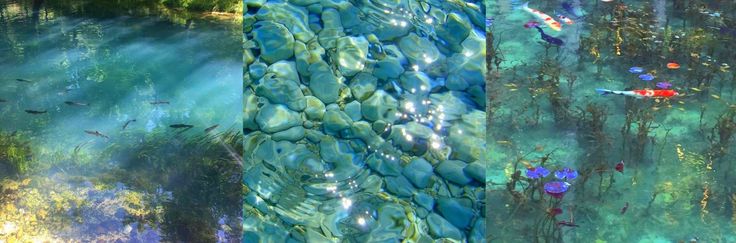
column 15, row 154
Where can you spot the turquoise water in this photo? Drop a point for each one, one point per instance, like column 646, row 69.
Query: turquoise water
column 364, row 121
column 675, row 183
column 106, row 91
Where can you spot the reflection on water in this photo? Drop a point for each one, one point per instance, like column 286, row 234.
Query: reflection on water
column 364, row 121
column 651, row 166
column 106, row 122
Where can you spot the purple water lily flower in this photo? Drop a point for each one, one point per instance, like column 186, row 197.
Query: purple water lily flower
column 537, row 172
column 556, row 189
column 566, row 174
column 664, row 85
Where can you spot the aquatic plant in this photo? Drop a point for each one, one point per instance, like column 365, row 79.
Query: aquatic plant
column 548, row 81
column 16, row 157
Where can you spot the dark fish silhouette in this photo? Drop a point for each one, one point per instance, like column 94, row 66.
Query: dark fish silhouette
column 180, row 126
column 128, row 123
column 23, row 80
column 35, row 112
column 626, row 207
column 570, row 9
column 3, row 100
column 159, row 102
column 549, row 38
column 209, row 129
column 73, row 103
column 96, row 133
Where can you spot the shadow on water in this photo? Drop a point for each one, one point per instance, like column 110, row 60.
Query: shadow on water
column 119, row 123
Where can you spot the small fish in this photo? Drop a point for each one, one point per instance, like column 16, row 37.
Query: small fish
column 673, row 65
column 568, row 224
column 696, row 89
column 636, row 70
column 620, row 167
column 606, row 1
column 626, row 207
column 23, row 80
column 73, row 103
column 209, row 129
column 35, row 112
column 715, row 97
column 181, row 126
column 552, row 23
column 128, row 123
column 531, row 24
column 564, row 19
column 159, row 102
column 3, row 100
column 489, row 22
column 549, row 38
column 643, row 93
column 664, row 85
column 96, row 133
column 646, row 77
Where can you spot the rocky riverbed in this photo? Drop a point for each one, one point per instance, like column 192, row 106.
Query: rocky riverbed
column 364, row 121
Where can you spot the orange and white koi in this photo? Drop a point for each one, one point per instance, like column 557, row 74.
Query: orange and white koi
column 641, row 93
column 564, row 19
column 552, row 23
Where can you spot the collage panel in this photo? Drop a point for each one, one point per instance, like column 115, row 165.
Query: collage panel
column 120, row 121
column 364, row 121
column 611, row 121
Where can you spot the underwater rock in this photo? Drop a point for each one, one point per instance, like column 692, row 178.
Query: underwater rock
column 284, row 70
column 250, row 110
column 424, row 200
column 478, row 233
column 282, row 91
column 257, row 70
column 399, row 186
column 350, row 17
column 323, row 84
column 467, row 68
column 465, row 147
column 419, row 50
column 275, row 118
column 335, row 121
column 275, row 41
column 304, row 2
column 439, row 227
column 292, row 17
column 306, row 55
column 331, row 28
column 351, row 54
column 392, row 222
column 388, row 32
column 476, row 170
column 346, row 163
column 454, row 31
column 452, row 170
column 315, row 109
column 418, row 171
column 380, row 106
column 253, row 200
column 292, row 134
column 362, row 130
column 388, row 68
column 315, row 136
column 412, row 137
column 458, row 215
column 478, row 94
column 415, row 82
column 451, row 103
column 383, row 166
column 362, row 85
column 352, row 109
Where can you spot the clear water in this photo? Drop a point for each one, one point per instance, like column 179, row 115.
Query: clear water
column 677, row 179
column 110, row 69
column 364, row 121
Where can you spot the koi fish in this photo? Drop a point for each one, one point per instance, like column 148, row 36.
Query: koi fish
column 552, row 23
column 23, row 80
column 620, row 167
column 96, row 133
column 35, row 112
column 564, row 19
column 3, row 100
column 128, row 123
column 549, row 38
column 642, row 93
column 566, row 223
column 626, row 207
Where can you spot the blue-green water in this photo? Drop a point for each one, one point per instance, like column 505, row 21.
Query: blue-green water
column 103, row 161
column 676, row 183
column 364, row 121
